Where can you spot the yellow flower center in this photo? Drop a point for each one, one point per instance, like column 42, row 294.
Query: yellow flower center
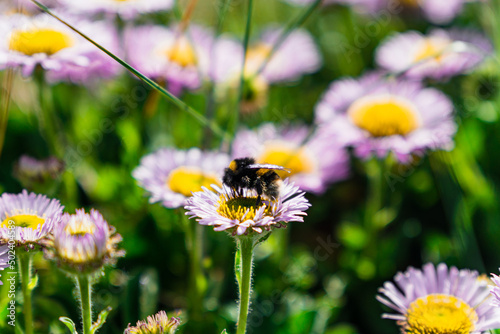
column 431, row 49
column 239, row 208
column 297, row 160
column 384, row 115
column 256, row 56
column 30, row 221
column 80, row 227
column 440, row 314
column 182, row 53
column 185, row 180
column 48, row 41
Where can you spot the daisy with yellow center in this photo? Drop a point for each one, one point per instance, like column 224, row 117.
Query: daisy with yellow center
column 42, row 41
column 378, row 116
column 243, row 213
column 314, row 160
column 83, row 243
column 440, row 301
column 171, row 175
column 169, row 55
column 28, row 217
column 438, row 55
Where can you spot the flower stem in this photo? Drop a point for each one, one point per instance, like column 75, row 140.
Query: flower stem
column 246, row 252
column 85, row 288
column 194, row 245
column 374, row 202
column 25, row 261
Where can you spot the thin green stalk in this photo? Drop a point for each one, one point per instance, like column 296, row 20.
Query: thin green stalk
column 174, row 99
column 374, row 202
column 246, row 41
column 246, row 252
column 290, row 27
column 194, row 245
column 4, row 111
column 84, row 283
column 25, row 261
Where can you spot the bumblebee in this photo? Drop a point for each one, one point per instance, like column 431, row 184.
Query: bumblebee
column 244, row 173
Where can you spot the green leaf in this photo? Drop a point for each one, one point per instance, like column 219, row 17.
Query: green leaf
column 224, row 332
column 33, row 282
column 101, row 319
column 69, row 323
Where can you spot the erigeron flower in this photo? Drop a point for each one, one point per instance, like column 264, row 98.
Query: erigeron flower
column 27, row 217
column 438, row 55
column 83, row 242
column 168, row 55
column 157, row 324
column 440, row 300
column 171, row 175
column 243, row 213
column 41, row 40
column 127, row 9
column 378, row 116
column 296, row 56
column 313, row 161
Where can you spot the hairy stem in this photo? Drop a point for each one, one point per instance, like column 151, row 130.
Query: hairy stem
column 84, row 284
column 25, row 261
column 246, row 252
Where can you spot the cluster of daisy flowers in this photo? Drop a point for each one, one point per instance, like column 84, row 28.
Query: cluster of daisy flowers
column 77, row 242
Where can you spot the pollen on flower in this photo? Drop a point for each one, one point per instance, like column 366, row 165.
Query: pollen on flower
column 24, row 220
column 185, row 180
column 440, row 314
column 239, row 208
column 431, row 49
column 295, row 159
column 182, row 53
column 34, row 41
column 384, row 115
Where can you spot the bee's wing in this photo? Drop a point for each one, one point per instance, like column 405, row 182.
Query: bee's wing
column 267, row 166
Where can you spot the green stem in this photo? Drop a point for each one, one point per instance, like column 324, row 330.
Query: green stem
column 84, row 284
column 25, row 261
column 374, row 202
column 194, row 245
column 246, row 252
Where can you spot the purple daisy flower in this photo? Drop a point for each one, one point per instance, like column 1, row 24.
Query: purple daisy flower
column 378, row 116
column 127, row 9
column 225, row 210
column 439, row 55
column 313, row 162
column 157, row 324
column 63, row 54
column 168, row 56
column 296, row 56
column 27, row 217
column 83, row 242
column 171, row 175
column 440, row 300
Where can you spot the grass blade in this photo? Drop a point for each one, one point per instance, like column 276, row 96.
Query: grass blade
column 175, row 100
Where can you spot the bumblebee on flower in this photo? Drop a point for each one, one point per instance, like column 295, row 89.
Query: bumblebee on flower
column 240, row 207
